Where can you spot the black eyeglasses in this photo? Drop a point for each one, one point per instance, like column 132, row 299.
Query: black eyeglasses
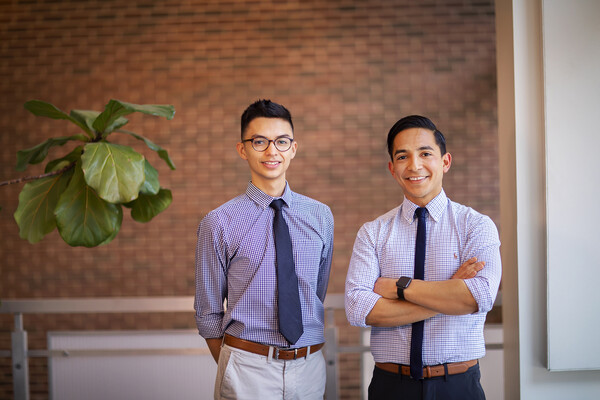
column 262, row 144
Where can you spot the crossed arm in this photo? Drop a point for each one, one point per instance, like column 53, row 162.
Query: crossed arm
column 424, row 299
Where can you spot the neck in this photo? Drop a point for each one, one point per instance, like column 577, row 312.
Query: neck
column 273, row 189
column 422, row 202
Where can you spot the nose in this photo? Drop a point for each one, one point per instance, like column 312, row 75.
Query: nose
column 271, row 149
column 415, row 164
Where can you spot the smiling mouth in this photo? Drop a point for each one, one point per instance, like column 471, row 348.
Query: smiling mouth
column 271, row 163
column 416, row 178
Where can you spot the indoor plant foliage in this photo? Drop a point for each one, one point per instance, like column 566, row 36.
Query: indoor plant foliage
column 82, row 194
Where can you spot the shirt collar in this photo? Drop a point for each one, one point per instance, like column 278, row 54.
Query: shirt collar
column 264, row 200
column 435, row 207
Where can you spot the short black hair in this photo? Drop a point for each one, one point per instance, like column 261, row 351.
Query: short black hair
column 415, row 121
column 265, row 109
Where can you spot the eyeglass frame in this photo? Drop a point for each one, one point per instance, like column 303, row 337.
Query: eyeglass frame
column 269, row 142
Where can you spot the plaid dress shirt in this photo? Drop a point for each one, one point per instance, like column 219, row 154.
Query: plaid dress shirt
column 235, row 261
column 386, row 246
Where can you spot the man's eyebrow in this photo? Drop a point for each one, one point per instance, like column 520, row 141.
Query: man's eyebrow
column 420, row 149
column 256, row 136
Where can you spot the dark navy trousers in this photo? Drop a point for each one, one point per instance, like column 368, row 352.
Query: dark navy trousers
column 390, row 386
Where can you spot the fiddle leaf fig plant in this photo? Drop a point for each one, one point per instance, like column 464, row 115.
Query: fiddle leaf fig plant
column 83, row 193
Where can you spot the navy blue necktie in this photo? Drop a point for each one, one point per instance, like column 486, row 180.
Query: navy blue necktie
column 416, row 343
column 288, row 297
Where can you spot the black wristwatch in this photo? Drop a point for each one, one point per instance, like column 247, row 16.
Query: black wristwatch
column 402, row 284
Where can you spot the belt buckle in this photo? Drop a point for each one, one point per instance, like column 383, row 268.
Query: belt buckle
column 276, row 355
column 295, row 353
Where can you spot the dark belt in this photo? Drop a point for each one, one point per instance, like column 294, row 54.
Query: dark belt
column 263, row 349
column 430, row 371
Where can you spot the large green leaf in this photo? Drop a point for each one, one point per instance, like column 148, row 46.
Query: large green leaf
column 88, row 117
column 37, row 201
column 83, row 218
column 146, row 207
column 162, row 153
column 38, row 153
column 60, row 163
column 116, row 172
column 85, row 117
column 151, row 184
column 115, row 109
column 45, row 109
column 116, row 231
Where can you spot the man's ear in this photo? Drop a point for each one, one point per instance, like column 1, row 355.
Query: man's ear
column 391, row 168
column 447, row 161
column 293, row 149
column 241, row 149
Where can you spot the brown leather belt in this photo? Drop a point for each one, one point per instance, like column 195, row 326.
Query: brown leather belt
column 263, row 349
column 431, row 371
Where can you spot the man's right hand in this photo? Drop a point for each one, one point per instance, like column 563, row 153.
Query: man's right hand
column 469, row 269
column 214, row 345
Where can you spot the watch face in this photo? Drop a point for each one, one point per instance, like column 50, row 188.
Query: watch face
column 403, row 282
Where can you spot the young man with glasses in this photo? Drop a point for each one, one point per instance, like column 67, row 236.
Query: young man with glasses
column 267, row 340
column 415, row 279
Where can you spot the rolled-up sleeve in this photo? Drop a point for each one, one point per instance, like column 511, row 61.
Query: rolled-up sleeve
column 326, row 254
column 211, row 282
column 483, row 242
column 362, row 274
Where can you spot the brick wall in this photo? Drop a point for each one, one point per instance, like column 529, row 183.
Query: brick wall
column 347, row 70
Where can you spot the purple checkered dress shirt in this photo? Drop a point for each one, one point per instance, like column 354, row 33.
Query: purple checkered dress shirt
column 235, row 261
column 386, row 246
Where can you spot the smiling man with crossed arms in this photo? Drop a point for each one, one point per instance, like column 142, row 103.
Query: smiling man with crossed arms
column 449, row 302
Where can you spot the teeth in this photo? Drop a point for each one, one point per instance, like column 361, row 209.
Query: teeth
column 416, row 178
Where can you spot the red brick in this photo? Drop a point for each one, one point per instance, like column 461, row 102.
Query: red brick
column 347, row 70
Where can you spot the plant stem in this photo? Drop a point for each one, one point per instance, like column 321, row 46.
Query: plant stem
column 34, row 177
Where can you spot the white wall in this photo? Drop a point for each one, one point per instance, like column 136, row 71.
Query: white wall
column 523, row 171
column 125, row 365
column 571, row 54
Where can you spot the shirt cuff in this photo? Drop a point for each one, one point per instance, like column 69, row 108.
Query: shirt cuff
column 481, row 293
column 209, row 327
column 358, row 307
